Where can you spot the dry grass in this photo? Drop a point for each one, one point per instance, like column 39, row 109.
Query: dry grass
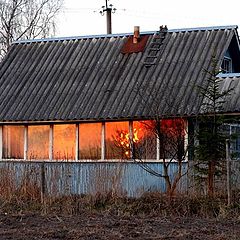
column 151, row 204
column 26, row 197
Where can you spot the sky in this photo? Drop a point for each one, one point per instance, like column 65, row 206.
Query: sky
column 80, row 18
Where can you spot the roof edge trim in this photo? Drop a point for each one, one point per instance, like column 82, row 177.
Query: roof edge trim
column 55, row 39
column 228, row 75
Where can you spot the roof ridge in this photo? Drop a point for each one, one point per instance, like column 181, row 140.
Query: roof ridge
column 55, row 39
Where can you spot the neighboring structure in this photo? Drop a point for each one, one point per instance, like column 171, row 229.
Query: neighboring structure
column 82, row 98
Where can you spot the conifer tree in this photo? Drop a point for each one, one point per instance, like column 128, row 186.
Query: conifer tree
column 210, row 151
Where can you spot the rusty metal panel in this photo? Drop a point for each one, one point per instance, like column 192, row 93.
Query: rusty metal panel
column 130, row 47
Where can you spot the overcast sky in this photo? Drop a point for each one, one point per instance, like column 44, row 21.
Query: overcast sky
column 82, row 17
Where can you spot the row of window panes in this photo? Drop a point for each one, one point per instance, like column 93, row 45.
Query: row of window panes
column 117, row 144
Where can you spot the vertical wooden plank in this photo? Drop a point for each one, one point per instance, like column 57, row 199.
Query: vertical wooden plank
column 51, row 142
column 77, row 143
column 103, row 142
column 25, row 142
column 1, row 142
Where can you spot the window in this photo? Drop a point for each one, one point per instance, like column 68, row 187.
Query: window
column 38, row 142
column 64, row 141
column 226, row 65
column 119, row 144
column 13, row 142
column 172, row 139
column 117, row 140
column 90, row 141
column 235, row 140
column 144, row 138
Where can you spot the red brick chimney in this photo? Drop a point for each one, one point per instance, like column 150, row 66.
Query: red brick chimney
column 136, row 35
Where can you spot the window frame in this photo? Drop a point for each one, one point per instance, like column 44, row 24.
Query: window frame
column 224, row 66
column 233, row 141
column 2, row 141
column 77, row 148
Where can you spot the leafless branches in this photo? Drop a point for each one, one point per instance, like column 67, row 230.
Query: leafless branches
column 26, row 19
column 172, row 139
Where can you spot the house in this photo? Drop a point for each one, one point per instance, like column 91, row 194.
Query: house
column 80, row 99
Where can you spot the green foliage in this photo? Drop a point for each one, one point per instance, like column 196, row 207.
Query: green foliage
column 211, row 147
column 213, row 96
column 211, row 140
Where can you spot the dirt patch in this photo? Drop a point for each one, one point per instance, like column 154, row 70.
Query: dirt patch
column 106, row 216
column 106, row 226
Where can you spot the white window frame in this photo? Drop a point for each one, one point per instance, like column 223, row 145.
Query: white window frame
column 77, row 149
column 229, row 60
column 230, row 133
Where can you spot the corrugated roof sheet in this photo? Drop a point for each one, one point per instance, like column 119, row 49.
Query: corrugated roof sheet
column 232, row 82
column 89, row 78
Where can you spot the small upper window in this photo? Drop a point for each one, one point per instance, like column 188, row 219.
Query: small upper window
column 226, row 65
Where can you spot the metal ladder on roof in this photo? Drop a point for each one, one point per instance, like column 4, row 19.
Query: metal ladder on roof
column 155, row 46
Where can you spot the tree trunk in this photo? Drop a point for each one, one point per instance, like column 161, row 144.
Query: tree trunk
column 211, row 173
column 168, row 185
column 177, row 178
column 167, row 178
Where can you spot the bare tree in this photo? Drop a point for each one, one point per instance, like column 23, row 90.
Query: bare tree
column 168, row 136
column 26, row 19
column 173, row 149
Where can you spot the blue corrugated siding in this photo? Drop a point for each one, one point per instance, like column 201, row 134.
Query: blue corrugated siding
column 89, row 178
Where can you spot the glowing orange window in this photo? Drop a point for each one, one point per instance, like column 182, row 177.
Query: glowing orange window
column 145, row 144
column 13, row 142
column 90, row 140
column 38, row 142
column 117, row 140
column 64, row 141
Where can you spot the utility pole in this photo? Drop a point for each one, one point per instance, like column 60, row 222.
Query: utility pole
column 109, row 10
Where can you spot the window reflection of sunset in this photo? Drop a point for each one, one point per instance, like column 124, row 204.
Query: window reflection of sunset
column 145, row 148
column 115, row 135
column 90, row 140
column 13, row 142
column 173, row 132
column 173, row 126
column 119, row 142
column 38, row 142
column 64, row 141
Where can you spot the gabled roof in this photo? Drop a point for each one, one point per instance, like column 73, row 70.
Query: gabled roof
column 88, row 78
